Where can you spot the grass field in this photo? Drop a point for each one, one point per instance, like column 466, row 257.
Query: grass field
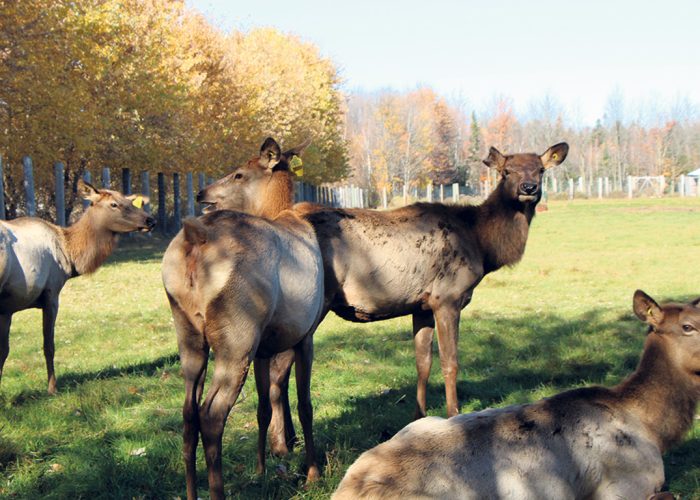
column 559, row 319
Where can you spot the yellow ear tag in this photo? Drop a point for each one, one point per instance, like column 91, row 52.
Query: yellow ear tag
column 649, row 312
column 138, row 202
column 296, row 165
column 555, row 157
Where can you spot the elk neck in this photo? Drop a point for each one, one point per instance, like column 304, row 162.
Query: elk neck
column 502, row 226
column 278, row 195
column 88, row 244
column 660, row 394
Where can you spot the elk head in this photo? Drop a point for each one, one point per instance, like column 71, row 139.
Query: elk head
column 116, row 212
column 678, row 325
column 521, row 174
column 245, row 188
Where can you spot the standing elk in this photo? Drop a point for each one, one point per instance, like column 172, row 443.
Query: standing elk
column 247, row 285
column 37, row 258
column 594, row 442
column 424, row 260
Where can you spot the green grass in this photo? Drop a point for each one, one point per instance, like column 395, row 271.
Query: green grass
column 559, row 319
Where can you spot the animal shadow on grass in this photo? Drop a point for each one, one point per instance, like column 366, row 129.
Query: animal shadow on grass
column 71, row 380
column 502, row 361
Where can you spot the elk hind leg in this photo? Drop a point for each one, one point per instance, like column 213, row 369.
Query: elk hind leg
column 281, row 430
column 49, row 312
column 304, row 355
column 5, row 322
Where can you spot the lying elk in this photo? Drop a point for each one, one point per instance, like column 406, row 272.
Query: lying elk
column 594, row 442
column 247, row 285
column 37, row 258
column 424, row 260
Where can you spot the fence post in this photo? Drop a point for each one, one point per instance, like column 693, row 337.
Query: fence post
column 629, row 186
column 2, row 192
column 442, row 193
column 146, row 190
column 29, row 185
column 455, row 192
column 384, row 198
column 106, row 178
column 430, row 192
column 682, row 186
column 607, row 186
column 176, row 201
column 190, row 194
column 162, row 214
column 554, row 185
column 87, row 177
column 405, row 194
column 600, row 188
column 571, row 189
column 60, row 194
column 126, row 181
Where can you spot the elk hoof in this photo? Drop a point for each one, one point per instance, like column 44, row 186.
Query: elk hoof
column 312, row 475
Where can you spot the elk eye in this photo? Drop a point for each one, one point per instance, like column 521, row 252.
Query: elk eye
column 238, row 176
column 688, row 328
column 113, row 204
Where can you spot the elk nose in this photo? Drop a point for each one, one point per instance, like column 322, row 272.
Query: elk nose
column 200, row 196
column 528, row 188
column 150, row 222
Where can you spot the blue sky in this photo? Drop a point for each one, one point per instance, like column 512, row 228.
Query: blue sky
column 576, row 51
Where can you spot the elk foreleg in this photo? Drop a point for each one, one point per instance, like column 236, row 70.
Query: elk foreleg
column 447, row 320
column 49, row 312
column 281, row 430
column 423, row 328
column 304, row 355
column 5, row 321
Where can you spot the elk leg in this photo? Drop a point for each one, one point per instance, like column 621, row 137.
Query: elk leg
column 194, row 353
column 281, row 430
column 304, row 355
column 447, row 319
column 262, row 383
column 423, row 328
column 230, row 371
column 49, row 312
column 5, row 321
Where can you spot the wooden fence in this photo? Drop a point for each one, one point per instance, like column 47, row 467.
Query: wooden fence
column 169, row 203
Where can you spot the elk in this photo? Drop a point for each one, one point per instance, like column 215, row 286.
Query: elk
column 247, row 284
column 37, row 258
column 425, row 260
column 593, row 442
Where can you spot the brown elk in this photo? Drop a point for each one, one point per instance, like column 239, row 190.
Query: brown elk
column 247, row 287
column 37, row 258
column 594, row 442
column 424, row 260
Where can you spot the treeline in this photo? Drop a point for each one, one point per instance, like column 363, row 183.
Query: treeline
column 150, row 85
column 413, row 138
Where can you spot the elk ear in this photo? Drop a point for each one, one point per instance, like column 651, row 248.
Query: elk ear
column 270, row 153
column 297, row 150
column 647, row 309
column 495, row 159
column 87, row 191
column 554, row 155
column 695, row 302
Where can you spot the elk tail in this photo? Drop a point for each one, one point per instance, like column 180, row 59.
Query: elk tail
column 195, row 232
